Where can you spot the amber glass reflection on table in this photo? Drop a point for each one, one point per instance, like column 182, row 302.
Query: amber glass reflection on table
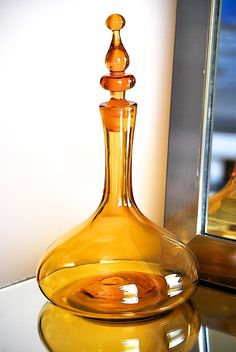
column 63, row 331
column 118, row 264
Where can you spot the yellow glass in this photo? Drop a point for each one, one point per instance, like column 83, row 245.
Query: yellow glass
column 118, row 264
column 222, row 210
column 63, row 331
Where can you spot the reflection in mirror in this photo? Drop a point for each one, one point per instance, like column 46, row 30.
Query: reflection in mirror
column 222, row 196
column 61, row 330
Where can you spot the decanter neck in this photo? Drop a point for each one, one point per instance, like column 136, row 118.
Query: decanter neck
column 118, row 122
column 118, row 117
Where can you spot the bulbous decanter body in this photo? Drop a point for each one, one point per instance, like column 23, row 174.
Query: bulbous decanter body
column 118, row 264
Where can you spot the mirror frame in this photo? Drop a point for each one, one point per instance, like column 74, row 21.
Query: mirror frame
column 190, row 135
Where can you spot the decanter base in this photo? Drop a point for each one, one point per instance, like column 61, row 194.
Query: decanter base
column 119, row 295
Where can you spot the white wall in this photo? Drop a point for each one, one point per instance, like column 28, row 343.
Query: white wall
column 51, row 140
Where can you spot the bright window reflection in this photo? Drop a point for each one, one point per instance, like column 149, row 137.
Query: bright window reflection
column 131, row 345
column 174, row 281
column 130, row 293
column 175, row 337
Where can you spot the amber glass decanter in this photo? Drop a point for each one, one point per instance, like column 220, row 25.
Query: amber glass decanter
column 63, row 331
column 222, row 210
column 118, row 264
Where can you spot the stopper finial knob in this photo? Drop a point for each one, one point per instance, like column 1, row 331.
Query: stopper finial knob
column 115, row 22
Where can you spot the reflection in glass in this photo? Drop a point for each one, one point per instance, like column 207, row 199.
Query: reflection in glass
column 221, row 205
column 61, row 330
column 222, row 209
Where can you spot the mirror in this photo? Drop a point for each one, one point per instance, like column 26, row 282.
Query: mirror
column 221, row 217
column 202, row 136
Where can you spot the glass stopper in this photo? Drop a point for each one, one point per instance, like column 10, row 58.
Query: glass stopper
column 117, row 60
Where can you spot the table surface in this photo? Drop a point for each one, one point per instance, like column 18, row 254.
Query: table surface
column 28, row 322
